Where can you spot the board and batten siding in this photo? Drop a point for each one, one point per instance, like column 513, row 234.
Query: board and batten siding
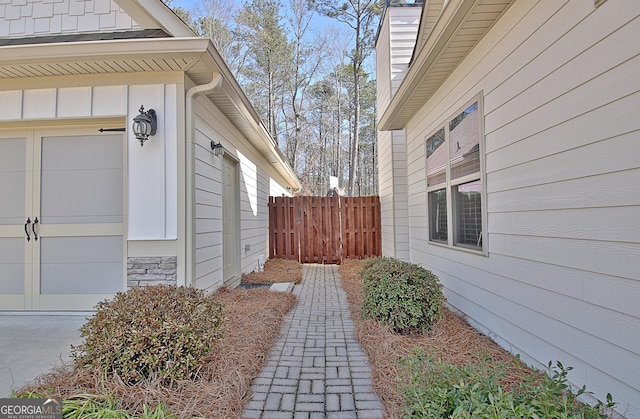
column 257, row 180
column 19, row 19
column 152, row 201
column 393, row 51
column 561, row 281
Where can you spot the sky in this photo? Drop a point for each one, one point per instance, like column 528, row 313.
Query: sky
column 318, row 23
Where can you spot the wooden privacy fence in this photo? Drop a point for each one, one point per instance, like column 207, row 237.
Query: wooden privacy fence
column 313, row 229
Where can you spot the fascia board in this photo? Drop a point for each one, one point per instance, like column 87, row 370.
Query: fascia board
column 101, row 50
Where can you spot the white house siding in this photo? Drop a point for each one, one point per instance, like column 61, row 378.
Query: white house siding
column 561, row 99
column 385, row 151
column 385, row 187
column 152, row 200
column 400, row 196
column 393, row 194
column 383, row 66
column 393, row 51
column 24, row 18
column 257, row 181
column 276, row 189
column 151, row 178
column 403, row 29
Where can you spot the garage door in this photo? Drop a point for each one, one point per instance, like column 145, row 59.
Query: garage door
column 61, row 219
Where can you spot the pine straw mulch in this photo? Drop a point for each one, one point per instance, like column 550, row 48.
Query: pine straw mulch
column 252, row 326
column 451, row 340
column 276, row 270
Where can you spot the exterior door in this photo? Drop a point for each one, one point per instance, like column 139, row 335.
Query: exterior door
column 66, row 253
column 230, row 244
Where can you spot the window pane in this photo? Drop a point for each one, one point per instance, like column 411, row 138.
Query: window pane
column 436, row 159
column 438, row 215
column 464, row 142
column 468, row 212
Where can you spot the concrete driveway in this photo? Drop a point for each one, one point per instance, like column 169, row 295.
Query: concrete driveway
column 31, row 344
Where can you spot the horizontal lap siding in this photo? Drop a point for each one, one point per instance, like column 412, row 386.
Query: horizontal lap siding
column 400, row 195
column 403, row 28
column 403, row 32
column 386, row 180
column 383, row 60
column 393, row 53
column 385, row 143
column 257, row 179
column 208, row 211
column 561, row 100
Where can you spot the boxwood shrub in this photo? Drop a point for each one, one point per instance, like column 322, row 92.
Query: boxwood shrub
column 155, row 332
column 402, row 295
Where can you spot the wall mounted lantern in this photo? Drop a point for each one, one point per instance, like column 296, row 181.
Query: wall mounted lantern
column 218, row 149
column 145, row 125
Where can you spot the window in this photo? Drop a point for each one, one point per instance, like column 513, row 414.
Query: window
column 454, row 180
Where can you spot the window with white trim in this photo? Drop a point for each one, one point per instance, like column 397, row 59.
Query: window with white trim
column 455, row 193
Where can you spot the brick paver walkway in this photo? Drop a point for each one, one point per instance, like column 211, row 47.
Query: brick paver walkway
column 316, row 369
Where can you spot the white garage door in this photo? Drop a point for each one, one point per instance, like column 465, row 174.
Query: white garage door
column 61, row 219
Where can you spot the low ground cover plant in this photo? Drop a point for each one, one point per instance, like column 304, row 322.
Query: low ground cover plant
column 157, row 332
column 438, row 389
column 402, row 295
column 461, row 364
column 84, row 406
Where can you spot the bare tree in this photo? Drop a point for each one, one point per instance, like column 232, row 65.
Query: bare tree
column 307, row 57
column 360, row 16
column 268, row 57
column 307, row 83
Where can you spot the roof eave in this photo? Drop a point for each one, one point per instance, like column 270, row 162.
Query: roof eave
column 262, row 140
column 422, row 79
column 194, row 50
column 101, row 50
column 155, row 14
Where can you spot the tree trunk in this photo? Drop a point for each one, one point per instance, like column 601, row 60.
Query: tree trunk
column 353, row 167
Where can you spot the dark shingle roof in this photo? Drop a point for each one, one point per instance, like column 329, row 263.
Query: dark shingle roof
column 82, row 37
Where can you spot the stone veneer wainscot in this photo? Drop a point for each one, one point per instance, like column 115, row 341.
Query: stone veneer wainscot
column 143, row 271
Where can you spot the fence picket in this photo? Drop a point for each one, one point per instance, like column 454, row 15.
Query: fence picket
column 324, row 229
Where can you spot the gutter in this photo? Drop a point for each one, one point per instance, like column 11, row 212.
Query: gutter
column 190, row 237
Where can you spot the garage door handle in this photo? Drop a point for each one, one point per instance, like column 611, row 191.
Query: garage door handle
column 33, row 228
column 26, row 228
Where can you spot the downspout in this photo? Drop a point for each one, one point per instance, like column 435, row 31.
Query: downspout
column 190, row 238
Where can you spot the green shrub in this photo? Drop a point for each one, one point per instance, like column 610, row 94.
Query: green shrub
column 83, row 406
column 155, row 332
column 402, row 295
column 441, row 390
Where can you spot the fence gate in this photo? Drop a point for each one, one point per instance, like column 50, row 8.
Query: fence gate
column 313, row 229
